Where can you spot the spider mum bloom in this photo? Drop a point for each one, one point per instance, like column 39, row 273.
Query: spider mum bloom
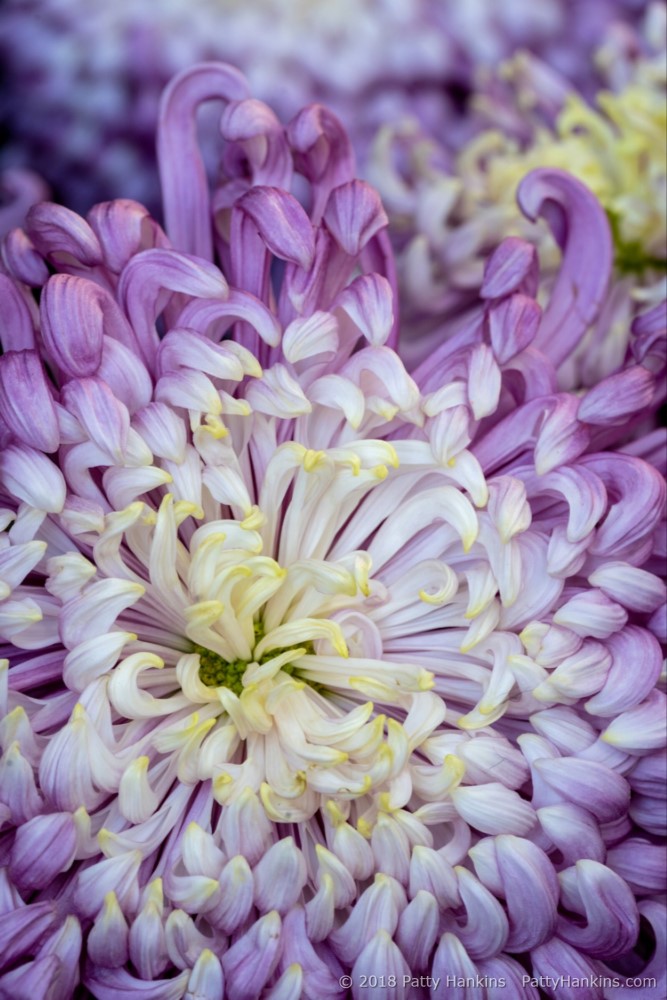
column 83, row 80
column 315, row 668
column 448, row 213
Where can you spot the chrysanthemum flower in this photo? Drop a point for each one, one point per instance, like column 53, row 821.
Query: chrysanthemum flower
column 83, row 79
column 315, row 670
column 448, row 214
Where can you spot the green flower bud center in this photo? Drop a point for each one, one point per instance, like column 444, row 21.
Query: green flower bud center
column 215, row 671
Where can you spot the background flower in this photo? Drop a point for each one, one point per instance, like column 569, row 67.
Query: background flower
column 82, row 80
column 317, row 666
column 448, row 213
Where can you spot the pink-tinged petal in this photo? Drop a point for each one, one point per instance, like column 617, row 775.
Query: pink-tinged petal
column 163, row 431
column 254, row 126
column 288, row 987
column 577, row 676
column 353, row 215
column 636, row 662
column 513, row 325
column 42, row 847
column 105, row 419
column 120, row 228
column 512, row 267
column 573, row 831
column 580, row 227
column 183, row 180
column 634, row 588
column 76, row 314
column 309, row 337
column 22, row 260
column 641, row 728
column 118, row 984
column 368, row 301
column 252, row 959
column 279, row 877
column 60, row 234
column 322, row 153
column 591, row 613
column 281, row 223
column 583, row 491
column 187, row 348
column 601, row 791
column 147, row 280
column 32, row 477
column 22, row 929
column 206, row 981
column 125, row 375
column 107, row 943
column 381, row 953
column 26, row 404
column 213, row 317
column 618, row 397
column 554, row 961
column 494, row 809
column 17, row 320
column 608, row 905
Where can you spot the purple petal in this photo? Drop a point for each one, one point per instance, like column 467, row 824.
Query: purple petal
column 42, row 847
column 22, row 259
column 322, row 153
column 59, row 233
column 76, row 314
column 353, row 215
column 281, row 223
column 513, row 325
column 512, row 267
column 580, row 226
column 26, row 404
column 182, row 173
column 16, row 322
column 610, row 909
column 617, row 397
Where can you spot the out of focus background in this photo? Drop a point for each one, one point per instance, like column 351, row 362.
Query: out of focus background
column 81, row 79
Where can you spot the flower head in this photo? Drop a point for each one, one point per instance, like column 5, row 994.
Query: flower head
column 312, row 666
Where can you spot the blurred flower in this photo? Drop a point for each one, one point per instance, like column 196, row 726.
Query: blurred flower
column 447, row 215
column 317, row 667
column 83, row 79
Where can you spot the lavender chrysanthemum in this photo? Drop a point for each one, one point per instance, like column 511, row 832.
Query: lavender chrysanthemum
column 83, row 79
column 448, row 213
column 315, row 668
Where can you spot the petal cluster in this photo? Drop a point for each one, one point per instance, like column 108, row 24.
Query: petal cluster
column 448, row 212
column 311, row 666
